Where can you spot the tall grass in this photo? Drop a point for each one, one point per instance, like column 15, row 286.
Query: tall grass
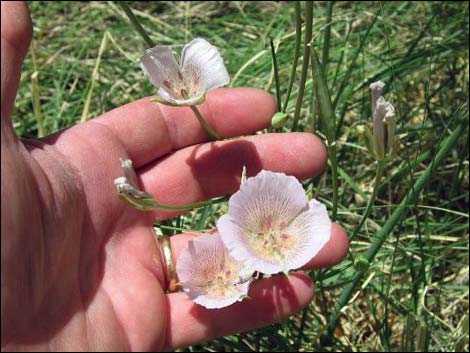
column 404, row 285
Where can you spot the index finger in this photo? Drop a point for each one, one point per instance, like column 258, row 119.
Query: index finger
column 149, row 130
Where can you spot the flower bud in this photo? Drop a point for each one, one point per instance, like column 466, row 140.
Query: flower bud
column 278, row 120
column 383, row 113
column 361, row 264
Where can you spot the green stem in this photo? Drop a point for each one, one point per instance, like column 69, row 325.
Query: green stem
column 301, row 329
column 298, row 35
column 395, row 218
column 191, row 205
column 211, row 133
column 151, row 204
column 276, row 76
column 136, row 23
column 326, row 38
column 327, row 117
column 378, row 177
column 334, row 176
column 305, row 62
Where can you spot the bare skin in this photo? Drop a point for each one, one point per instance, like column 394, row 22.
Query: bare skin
column 80, row 269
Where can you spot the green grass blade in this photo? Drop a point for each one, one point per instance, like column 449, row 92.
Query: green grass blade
column 94, row 77
column 306, row 58
column 136, row 23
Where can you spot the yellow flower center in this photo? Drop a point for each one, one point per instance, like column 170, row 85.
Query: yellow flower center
column 272, row 239
column 221, row 282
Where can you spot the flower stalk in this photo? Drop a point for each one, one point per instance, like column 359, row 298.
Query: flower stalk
column 378, row 177
column 327, row 35
column 306, row 59
column 298, row 35
column 128, row 191
column 327, row 117
column 276, row 75
column 209, row 131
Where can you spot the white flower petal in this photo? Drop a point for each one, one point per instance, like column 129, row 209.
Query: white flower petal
column 312, row 228
column 218, row 303
column 389, row 110
column 391, row 127
column 129, row 173
column 160, row 66
column 378, row 126
column 120, row 181
column 376, row 90
column 377, row 86
column 269, row 193
column 203, row 65
column 209, row 275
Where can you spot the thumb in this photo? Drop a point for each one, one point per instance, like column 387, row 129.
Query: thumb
column 16, row 31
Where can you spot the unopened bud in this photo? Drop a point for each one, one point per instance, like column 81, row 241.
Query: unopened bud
column 376, row 91
column 383, row 112
column 278, row 120
column 361, row 264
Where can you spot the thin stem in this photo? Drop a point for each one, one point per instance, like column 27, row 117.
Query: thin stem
column 191, row 205
column 136, row 23
column 326, row 38
column 382, row 235
column 327, row 118
column 150, row 204
column 298, row 35
column 334, row 176
column 301, row 329
column 276, row 75
column 378, row 177
column 210, row 132
column 305, row 62
column 166, row 227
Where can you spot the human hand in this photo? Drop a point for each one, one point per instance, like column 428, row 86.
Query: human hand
column 80, row 269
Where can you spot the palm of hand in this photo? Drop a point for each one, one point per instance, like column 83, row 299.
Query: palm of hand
column 80, row 269
column 87, row 253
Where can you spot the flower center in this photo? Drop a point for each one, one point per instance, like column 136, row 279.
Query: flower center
column 221, row 283
column 271, row 240
column 182, row 87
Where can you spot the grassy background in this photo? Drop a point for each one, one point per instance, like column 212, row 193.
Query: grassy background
column 415, row 294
